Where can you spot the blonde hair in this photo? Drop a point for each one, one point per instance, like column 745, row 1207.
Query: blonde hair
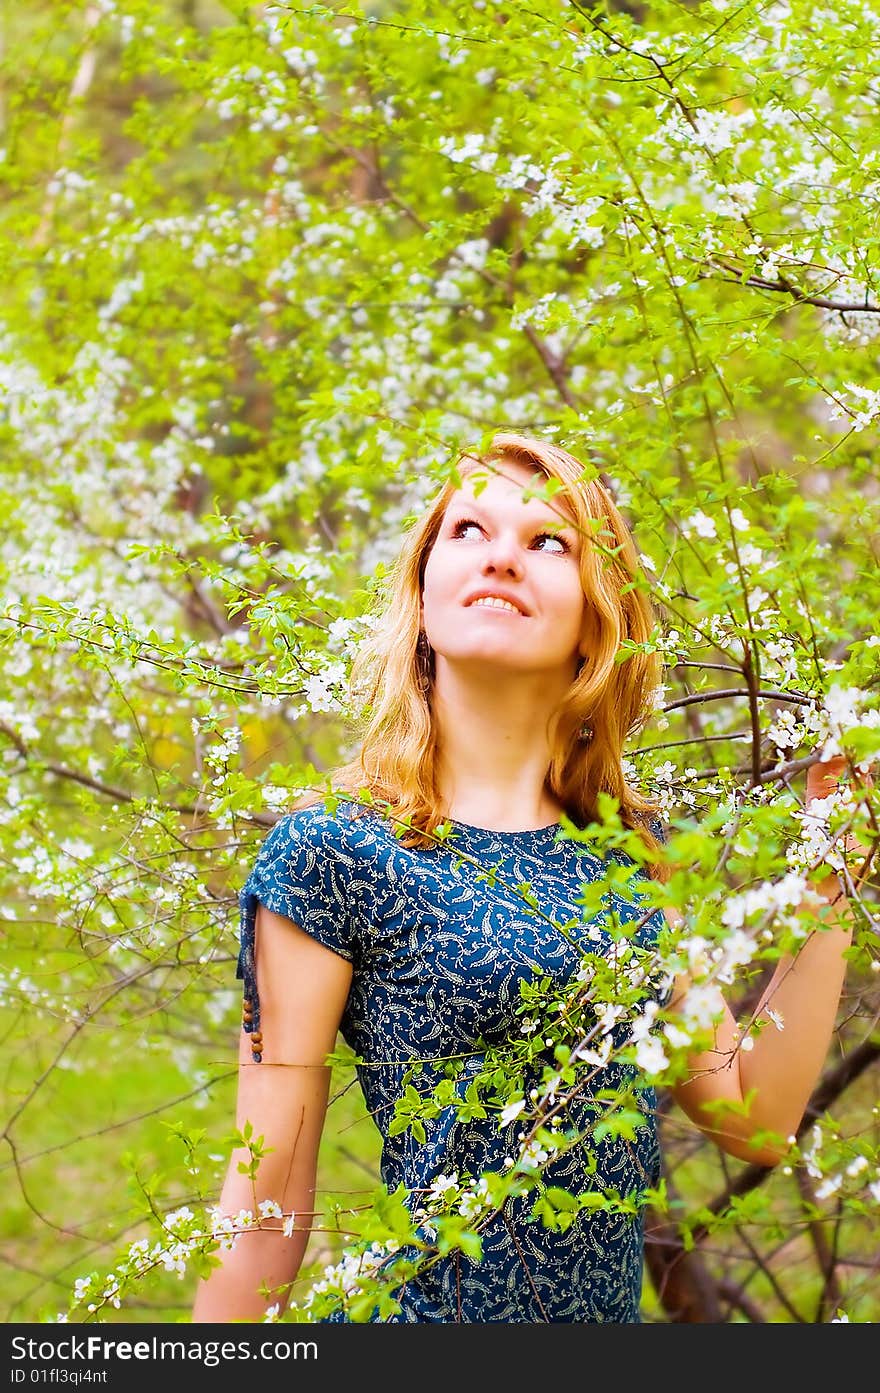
column 397, row 758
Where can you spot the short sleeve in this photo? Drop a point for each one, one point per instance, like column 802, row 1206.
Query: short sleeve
column 303, row 872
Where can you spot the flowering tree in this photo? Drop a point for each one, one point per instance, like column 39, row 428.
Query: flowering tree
column 269, row 268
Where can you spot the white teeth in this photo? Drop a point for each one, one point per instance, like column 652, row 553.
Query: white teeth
column 497, row 604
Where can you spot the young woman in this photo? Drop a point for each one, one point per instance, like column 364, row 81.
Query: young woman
column 495, row 710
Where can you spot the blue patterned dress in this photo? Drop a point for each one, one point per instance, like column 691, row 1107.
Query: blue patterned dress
column 438, row 957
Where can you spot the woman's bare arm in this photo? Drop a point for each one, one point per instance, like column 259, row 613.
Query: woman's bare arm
column 769, row 1085
column 303, row 988
column 781, row 1069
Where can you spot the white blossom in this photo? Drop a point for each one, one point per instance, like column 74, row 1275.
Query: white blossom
column 511, row 1111
column 700, row 523
column 702, row 1005
column 830, row 1185
column 441, row 1184
column 651, row 1056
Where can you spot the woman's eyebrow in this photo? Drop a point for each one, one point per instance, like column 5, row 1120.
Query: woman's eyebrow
column 556, row 522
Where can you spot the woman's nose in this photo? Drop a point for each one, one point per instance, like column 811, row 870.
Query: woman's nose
column 502, row 554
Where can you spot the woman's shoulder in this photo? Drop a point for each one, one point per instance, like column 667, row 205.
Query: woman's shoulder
column 333, row 824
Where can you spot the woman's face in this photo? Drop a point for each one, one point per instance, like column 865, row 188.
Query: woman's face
column 497, row 544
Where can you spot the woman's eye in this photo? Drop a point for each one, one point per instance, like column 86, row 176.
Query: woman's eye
column 460, row 526
column 554, row 538
column 464, row 523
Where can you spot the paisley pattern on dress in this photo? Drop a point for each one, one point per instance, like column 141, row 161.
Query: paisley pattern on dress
column 438, row 955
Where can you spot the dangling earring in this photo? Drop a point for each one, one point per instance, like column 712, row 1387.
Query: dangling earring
column 585, row 734
column 424, row 654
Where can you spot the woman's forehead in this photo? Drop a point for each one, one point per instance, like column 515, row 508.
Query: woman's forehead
column 515, row 472
column 504, row 485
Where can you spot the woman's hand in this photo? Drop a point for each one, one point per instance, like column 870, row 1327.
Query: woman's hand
column 823, row 779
